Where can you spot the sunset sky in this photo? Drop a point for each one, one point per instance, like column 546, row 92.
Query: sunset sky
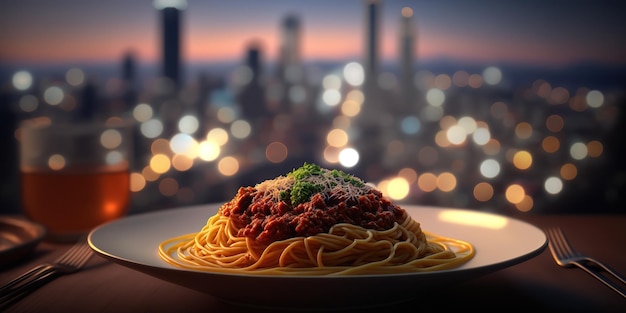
column 547, row 32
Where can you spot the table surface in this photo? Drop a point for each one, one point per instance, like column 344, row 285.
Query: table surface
column 103, row 286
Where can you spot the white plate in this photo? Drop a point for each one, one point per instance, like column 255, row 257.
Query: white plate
column 500, row 242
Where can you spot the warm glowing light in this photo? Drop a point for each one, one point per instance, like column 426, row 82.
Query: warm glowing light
column 218, row 136
column 331, row 154
column 559, row 95
column 137, row 182
column 522, row 160
column 456, row 135
column 182, row 162
column 460, row 78
column 550, row 144
column 276, row 152
column 111, row 138
column 226, row 115
column 475, row 81
column 446, row 182
column 478, row 219
column 595, row 148
column 568, row 171
column 499, row 110
column 168, row 187
column 398, row 188
column 183, row 143
column 337, row 138
column 523, row 130
column 160, row 146
column 525, row 205
column 348, row 157
column 515, row 193
column 56, row 162
column 492, row 147
column 160, row 163
column 406, row 12
column 483, row 192
column 441, row 139
column 554, row 123
column 427, row 182
column 350, row 108
column 228, row 166
column 408, row 174
column 149, row 174
column 443, row 82
column 208, row 150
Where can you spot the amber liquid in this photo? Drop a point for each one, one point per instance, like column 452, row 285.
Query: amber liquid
column 73, row 202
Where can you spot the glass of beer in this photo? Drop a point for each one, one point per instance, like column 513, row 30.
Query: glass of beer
column 76, row 175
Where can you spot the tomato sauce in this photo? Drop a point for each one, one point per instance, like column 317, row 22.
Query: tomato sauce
column 266, row 220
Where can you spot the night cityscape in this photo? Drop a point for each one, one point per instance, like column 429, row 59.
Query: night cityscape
column 503, row 138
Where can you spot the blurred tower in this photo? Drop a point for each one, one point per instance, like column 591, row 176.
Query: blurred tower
column 290, row 69
column 407, row 52
column 170, row 15
column 371, row 109
column 370, row 121
column 129, row 77
column 251, row 96
column 372, row 21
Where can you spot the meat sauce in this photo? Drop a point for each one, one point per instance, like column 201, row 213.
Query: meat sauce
column 260, row 217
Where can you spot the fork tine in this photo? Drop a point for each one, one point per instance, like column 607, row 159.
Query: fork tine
column 69, row 254
column 564, row 243
column 554, row 245
column 565, row 255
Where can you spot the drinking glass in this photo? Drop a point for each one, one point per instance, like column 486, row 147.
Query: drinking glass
column 74, row 175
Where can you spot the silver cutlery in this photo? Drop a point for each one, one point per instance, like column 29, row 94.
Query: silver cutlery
column 566, row 256
column 70, row 262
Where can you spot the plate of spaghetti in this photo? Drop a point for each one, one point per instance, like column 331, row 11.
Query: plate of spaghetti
column 323, row 237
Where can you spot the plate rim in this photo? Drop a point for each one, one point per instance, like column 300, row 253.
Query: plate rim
column 486, row 267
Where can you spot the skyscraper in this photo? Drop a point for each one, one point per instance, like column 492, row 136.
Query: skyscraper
column 289, row 62
column 171, row 56
column 407, row 53
column 291, row 72
column 372, row 25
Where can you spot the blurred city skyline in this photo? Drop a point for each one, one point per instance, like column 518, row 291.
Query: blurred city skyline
column 544, row 33
column 488, row 105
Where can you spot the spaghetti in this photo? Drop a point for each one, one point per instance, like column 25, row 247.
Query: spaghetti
column 313, row 222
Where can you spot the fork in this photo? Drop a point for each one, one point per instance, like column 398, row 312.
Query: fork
column 566, row 256
column 71, row 261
